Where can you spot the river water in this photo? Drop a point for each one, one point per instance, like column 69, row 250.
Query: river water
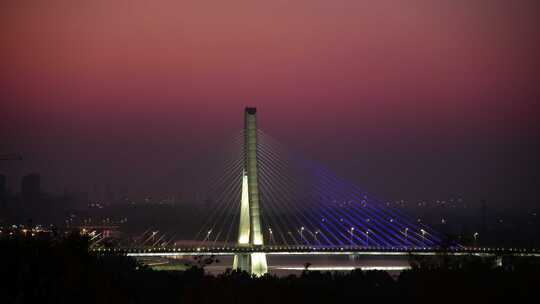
column 283, row 265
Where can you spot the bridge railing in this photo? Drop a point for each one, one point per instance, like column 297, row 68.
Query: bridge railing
column 316, row 249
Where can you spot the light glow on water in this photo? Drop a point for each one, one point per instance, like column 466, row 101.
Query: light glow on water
column 345, row 268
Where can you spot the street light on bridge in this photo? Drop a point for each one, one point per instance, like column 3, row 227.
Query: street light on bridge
column 207, row 236
column 423, row 236
column 351, row 231
column 367, row 237
column 271, row 235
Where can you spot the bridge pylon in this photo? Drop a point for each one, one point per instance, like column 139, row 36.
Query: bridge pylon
column 249, row 232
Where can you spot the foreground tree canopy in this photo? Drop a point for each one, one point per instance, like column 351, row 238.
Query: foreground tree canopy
column 63, row 271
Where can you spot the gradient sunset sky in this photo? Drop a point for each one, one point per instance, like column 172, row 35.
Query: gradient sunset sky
column 414, row 99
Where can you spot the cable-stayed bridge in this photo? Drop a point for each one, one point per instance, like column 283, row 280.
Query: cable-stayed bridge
column 269, row 200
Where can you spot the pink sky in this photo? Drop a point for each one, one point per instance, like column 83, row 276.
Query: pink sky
column 384, row 72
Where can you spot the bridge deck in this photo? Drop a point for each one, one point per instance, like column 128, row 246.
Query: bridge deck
column 306, row 250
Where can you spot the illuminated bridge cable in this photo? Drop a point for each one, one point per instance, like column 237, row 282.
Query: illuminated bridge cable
column 337, row 187
column 270, row 197
column 330, row 216
column 271, row 215
column 338, row 222
column 286, row 188
column 340, row 206
column 224, row 170
column 383, row 234
column 235, row 218
column 226, row 186
column 380, row 220
column 272, row 188
column 213, row 213
column 300, row 197
column 374, row 203
column 376, row 215
column 281, row 212
column 225, row 219
column 292, row 183
column 231, row 194
column 346, row 218
column 287, row 202
column 209, row 162
column 277, row 194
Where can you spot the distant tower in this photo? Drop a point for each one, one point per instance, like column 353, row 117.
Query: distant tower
column 3, row 190
column 31, row 188
column 250, row 233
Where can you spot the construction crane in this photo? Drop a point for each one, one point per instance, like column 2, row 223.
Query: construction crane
column 11, row 156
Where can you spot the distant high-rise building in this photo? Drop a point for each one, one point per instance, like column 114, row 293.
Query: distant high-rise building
column 3, row 190
column 3, row 184
column 31, row 188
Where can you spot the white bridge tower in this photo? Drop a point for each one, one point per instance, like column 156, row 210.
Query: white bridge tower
column 249, row 232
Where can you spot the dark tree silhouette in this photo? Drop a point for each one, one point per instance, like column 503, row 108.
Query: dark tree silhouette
column 62, row 270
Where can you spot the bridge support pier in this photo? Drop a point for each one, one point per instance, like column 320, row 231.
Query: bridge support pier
column 254, row 263
column 242, row 262
column 499, row 261
column 259, row 266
